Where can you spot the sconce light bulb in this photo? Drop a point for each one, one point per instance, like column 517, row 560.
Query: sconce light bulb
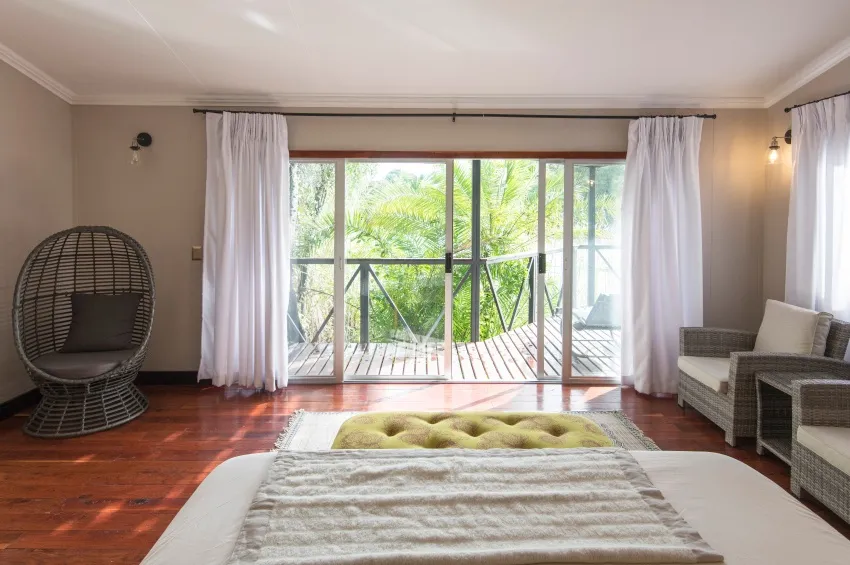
column 773, row 156
column 134, row 159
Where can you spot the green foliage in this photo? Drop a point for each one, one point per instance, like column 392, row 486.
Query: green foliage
column 400, row 213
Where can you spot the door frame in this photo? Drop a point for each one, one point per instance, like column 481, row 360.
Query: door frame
column 569, row 161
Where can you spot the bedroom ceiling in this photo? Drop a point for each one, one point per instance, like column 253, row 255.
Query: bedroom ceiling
column 435, row 53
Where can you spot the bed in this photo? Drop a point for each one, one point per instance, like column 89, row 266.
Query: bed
column 739, row 512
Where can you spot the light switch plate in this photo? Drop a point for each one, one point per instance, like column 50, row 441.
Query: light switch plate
column 197, row 253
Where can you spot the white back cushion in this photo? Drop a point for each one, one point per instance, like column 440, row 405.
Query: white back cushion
column 822, row 333
column 791, row 329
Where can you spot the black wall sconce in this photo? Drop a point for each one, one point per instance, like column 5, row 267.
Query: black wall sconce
column 773, row 153
column 143, row 139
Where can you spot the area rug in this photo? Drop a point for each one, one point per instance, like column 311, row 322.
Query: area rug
column 315, row 431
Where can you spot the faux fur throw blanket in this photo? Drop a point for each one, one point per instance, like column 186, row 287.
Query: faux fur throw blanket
column 458, row 507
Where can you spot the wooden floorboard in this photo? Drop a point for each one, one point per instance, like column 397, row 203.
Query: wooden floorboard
column 107, row 497
column 518, row 351
column 315, row 363
column 461, row 361
column 377, row 358
column 409, row 359
column 388, row 360
column 398, row 360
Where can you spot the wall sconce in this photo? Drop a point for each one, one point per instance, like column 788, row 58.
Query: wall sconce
column 141, row 140
column 773, row 151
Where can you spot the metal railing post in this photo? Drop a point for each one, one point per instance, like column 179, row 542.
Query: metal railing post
column 475, row 268
column 364, row 305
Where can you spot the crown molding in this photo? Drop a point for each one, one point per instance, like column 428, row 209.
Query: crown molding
column 40, row 77
column 822, row 63
column 450, row 102
column 827, row 60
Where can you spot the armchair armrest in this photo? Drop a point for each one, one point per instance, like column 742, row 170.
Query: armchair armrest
column 714, row 342
column 744, row 365
column 822, row 403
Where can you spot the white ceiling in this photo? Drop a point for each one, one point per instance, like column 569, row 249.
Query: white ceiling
column 403, row 53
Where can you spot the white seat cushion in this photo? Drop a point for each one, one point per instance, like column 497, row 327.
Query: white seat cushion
column 831, row 444
column 713, row 372
column 791, row 329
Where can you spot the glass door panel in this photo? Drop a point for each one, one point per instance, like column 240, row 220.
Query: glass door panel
column 310, row 323
column 395, row 243
column 495, row 231
column 596, row 292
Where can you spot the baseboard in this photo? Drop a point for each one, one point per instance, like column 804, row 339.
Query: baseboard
column 19, row 403
column 171, row 378
column 30, row 398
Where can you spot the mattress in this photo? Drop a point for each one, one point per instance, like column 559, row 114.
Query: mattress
column 738, row 511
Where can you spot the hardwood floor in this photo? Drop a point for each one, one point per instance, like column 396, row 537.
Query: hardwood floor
column 107, row 497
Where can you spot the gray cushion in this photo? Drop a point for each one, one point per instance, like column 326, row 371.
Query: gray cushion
column 101, row 322
column 82, row 365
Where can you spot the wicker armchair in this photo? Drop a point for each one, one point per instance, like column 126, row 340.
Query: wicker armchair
column 822, row 408
column 98, row 395
column 734, row 409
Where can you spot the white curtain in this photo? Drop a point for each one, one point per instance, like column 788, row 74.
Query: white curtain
column 246, row 251
column 817, row 270
column 662, row 249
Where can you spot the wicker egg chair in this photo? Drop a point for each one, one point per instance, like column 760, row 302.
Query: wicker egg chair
column 92, row 391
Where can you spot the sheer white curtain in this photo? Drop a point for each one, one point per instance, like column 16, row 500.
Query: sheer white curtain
column 662, row 249
column 817, row 270
column 246, row 251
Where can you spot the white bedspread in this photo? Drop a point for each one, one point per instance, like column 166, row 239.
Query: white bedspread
column 739, row 512
column 463, row 507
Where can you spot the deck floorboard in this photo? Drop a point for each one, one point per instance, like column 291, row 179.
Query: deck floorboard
column 510, row 356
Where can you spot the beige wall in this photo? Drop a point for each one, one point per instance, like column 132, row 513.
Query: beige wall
column 778, row 191
column 732, row 184
column 36, row 186
column 161, row 202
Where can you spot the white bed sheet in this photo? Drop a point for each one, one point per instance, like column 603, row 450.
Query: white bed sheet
column 739, row 512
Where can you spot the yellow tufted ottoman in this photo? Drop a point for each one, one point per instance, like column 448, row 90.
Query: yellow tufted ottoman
column 470, row 430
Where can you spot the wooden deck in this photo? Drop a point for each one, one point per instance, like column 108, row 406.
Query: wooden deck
column 511, row 356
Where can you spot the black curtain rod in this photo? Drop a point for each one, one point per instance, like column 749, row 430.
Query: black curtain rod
column 816, row 101
column 453, row 115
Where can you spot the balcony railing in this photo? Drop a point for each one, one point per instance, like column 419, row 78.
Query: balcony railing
column 366, row 275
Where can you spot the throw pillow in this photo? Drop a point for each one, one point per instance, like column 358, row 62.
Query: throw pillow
column 101, row 322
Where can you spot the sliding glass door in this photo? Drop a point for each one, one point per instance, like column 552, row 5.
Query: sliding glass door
column 596, row 283
column 459, row 269
column 310, row 319
column 395, row 248
column 495, row 228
